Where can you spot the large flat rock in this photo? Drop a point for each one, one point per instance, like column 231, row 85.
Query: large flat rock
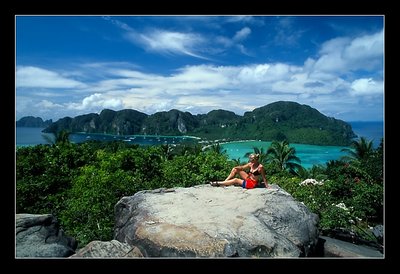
column 205, row 221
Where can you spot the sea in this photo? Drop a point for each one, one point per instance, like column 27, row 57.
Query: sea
column 28, row 136
column 309, row 154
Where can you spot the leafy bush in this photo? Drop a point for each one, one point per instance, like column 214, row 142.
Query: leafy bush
column 89, row 212
column 188, row 170
column 81, row 183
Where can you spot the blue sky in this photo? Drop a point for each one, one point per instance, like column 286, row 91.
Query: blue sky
column 74, row 65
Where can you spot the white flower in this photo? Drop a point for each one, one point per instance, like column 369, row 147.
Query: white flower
column 311, row 182
column 342, row 206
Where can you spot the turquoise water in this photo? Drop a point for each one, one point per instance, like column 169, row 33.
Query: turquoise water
column 132, row 139
column 309, row 154
column 27, row 136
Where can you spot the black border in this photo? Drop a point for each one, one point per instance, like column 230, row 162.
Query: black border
column 196, row 8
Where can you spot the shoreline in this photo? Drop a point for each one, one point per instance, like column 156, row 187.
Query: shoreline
column 228, row 142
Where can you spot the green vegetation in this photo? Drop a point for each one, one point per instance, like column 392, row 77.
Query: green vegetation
column 81, row 183
column 283, row 156
column 277, row 121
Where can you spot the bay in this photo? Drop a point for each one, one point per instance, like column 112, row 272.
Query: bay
column 309, row 154
column 132, row 139
column 28, row 136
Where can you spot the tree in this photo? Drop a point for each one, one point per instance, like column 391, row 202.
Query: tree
column 60, row 137
column 217, row 149
column 262, row 155
column 283, row 156
column 360, row 150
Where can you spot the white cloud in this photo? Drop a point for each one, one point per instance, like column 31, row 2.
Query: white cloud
column 96, row 101
column 158, row 106
column 28, row 106
column 328, row 82
column 118, row 23
column 367, row 46
column 46, row 104
column 341, row 55
column 242, row 34
column 366, row 87
column 243, row 50
column 162, row 41
column 196, row 87
column 168, row 42
column 253, row 20
column 28, row 76
column 224, row 41
column 198, row 78
column 171, row 41
column 265, row 73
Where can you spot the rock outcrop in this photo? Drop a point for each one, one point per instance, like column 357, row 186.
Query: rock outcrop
column 40, row 236
column 107, row 249
column 200, row 221
column 205, row 221
column 337, row 248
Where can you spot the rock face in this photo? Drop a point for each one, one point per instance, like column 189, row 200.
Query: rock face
column 206, row 221
column 110, row 249
column 276, row 121
column 40, row 236
column 337, row 248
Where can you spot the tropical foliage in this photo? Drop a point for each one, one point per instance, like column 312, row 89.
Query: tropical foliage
column 283, row 156
column 81, row 183
column 360, row 150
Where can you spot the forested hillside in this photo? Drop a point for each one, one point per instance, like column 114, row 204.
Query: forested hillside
column 279, row 121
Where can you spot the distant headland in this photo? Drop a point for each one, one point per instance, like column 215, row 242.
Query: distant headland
column 30, row 121
column 282, row 120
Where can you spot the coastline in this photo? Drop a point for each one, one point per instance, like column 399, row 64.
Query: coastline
column 228, row 142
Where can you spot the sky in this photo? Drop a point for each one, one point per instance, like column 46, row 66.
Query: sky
column 75, row 65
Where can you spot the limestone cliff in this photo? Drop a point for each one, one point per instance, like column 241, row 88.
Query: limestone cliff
column 279, row 121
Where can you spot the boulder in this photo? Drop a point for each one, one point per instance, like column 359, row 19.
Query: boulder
column 40, row 236
column 206, row 221
column 107, row 249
